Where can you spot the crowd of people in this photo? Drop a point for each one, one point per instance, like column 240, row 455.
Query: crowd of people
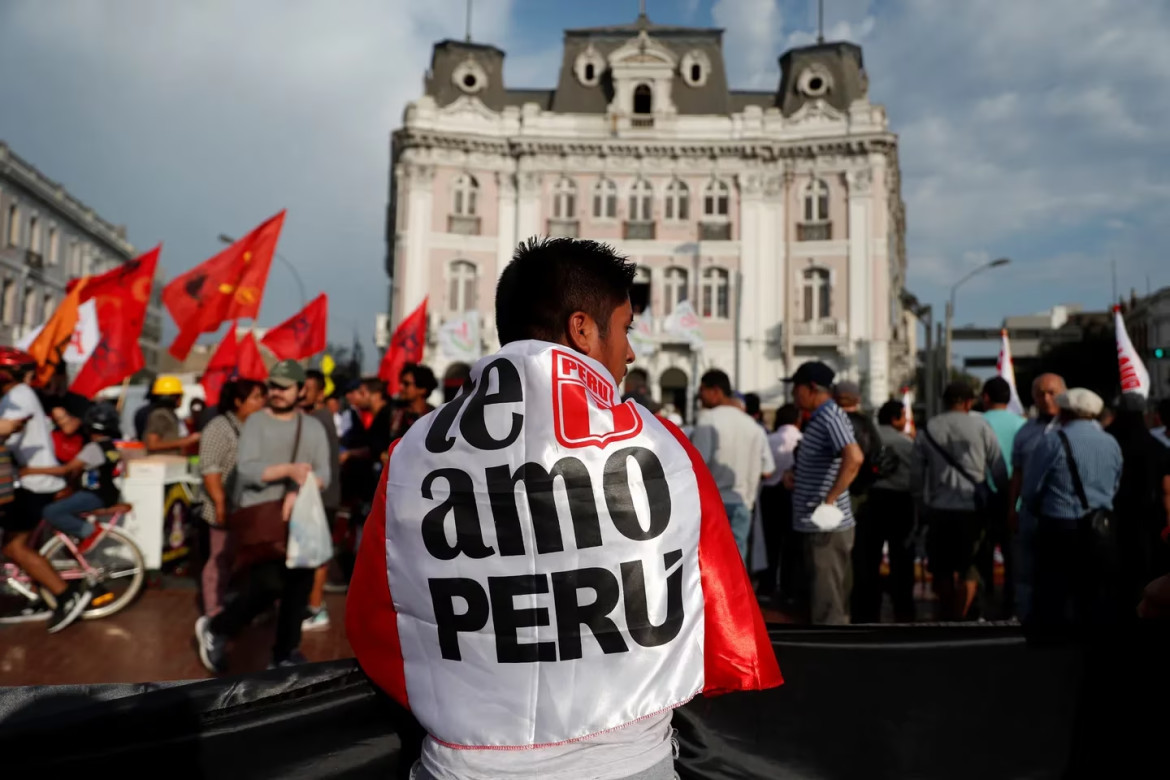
column 1074, row 501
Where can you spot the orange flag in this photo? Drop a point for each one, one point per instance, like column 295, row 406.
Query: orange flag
column 301, row 335
column 221, row 367
column 49, row 347
column 406, row 346
column 251, row 362
column 228, row 286
column 122, row 296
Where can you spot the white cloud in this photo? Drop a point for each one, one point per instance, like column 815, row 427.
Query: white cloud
column 753, row 34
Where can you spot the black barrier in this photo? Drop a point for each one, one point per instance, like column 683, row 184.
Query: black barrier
column 905, row 702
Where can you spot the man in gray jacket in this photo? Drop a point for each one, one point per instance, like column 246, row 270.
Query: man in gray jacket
column 953, row 455
column 280, row 450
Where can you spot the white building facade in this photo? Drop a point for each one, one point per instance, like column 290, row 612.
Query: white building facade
column 776, row 215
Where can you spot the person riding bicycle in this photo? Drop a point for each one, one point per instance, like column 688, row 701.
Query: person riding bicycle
column 31, row 444
column 96, row 465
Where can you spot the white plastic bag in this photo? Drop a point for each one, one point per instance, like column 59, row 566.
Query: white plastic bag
column 827, row 517
column 309, row 542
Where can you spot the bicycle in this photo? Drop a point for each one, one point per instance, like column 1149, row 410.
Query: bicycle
column 112, row 566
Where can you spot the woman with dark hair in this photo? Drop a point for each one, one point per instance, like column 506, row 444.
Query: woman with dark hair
column 68, row 438
column 217, row 461
column 1139, row 505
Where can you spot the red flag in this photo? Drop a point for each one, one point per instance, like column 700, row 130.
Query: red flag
column 251, row 363
column 406, row 346
column 229, row 286
column 122, row 296
column 301, row 335
column 221, row 367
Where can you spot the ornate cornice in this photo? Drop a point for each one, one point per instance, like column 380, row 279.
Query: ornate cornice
column 883, row 143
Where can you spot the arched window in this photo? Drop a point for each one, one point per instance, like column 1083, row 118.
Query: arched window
column 641, row 201
column 677, row 200
column 13, row 225
column 817, row 285
column 34, row 234
column 674, row 289
column 54, row 247
column 565, row 199
column 716, row 294
column 30, row 308
column 816, row 201
column 8, row 314
column 605, row 199
column 462, row 287
column 643, row 99
column 590, row 72
column 715, row 199
column 465, row 191
column 47, row 305
column 640, row 291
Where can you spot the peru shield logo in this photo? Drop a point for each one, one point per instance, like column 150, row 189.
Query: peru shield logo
column 586, row 411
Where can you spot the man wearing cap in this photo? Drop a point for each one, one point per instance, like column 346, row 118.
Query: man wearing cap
column 280, row 450
column 162, row 431
column 827, row 461
column 1069, row 475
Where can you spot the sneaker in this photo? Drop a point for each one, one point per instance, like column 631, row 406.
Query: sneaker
column 212, row 648
column 70, row 605
column 30, row 613
column 318, row 620
column 295, row 658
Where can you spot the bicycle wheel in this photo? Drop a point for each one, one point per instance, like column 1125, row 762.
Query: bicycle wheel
column 117, row 565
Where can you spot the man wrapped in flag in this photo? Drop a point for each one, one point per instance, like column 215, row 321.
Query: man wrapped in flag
column 552, row 634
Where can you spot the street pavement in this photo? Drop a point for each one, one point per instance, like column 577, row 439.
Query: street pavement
column 151, row 640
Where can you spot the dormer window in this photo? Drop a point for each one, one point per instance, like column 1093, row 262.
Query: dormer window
column 694, row 68
column 643, row 99
column 469, row 77
column 588, row 67
column 696, row 72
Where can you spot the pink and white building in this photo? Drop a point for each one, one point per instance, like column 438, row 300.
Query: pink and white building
column 777, row 214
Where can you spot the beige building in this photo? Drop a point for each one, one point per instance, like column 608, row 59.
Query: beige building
column 777, row 215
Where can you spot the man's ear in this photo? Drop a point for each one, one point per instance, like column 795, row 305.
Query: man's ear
column 581, row 332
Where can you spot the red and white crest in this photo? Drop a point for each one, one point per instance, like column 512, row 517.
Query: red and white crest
column 586, row 411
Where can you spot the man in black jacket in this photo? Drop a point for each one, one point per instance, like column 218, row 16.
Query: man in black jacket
column 848, row 397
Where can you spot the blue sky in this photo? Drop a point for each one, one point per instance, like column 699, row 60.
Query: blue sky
column 1031, row 130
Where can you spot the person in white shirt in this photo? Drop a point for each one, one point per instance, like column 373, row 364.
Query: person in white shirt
column 736, row 450
column 782, row 577
column 30, row 441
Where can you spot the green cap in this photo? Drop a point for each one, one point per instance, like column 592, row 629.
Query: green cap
column 287, row 373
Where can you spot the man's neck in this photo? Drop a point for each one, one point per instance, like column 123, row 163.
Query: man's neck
column 288, row 414
column 998, row 408
column 377, row 406
column 418, row 405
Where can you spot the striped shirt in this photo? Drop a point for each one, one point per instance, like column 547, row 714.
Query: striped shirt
column 818, row 462
column 1048, row 485
column 218, row 446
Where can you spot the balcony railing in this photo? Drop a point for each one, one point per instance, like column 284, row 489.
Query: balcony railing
column 35, row 260
column 568, row 228
column 814, row 231
column 714, row 231
column 639, row 229
column 826, row 327
column 463, row 225
column 642, row 121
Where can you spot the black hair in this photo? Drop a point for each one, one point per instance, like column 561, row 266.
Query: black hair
column 787, row 414
column 718, row 380
column 374, row 386
column 551, row 278
column 1164, row 411
column 890, row 411
column 751, row 403
column 997, row 390
column 235, row 392
column 957, row 393
column 422, row 375
column 637, row 377
column 316, row 376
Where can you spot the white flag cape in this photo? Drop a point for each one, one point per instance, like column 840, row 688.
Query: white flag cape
column 607, row 590
column 1134, row 377
column 1007, row 371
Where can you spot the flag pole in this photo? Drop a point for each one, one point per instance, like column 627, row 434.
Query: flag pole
column 122, row 396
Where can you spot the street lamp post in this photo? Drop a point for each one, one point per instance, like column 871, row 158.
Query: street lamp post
column 950, row 314
column 291, row 268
